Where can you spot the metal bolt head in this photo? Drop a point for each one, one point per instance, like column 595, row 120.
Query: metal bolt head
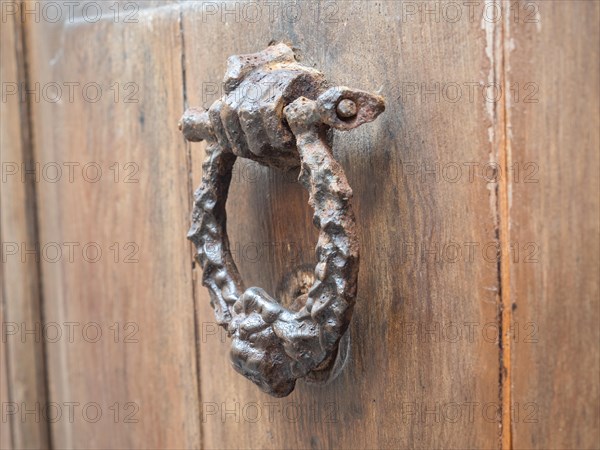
column 346, row 108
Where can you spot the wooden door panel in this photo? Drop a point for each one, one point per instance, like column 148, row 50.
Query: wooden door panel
column 392, row 375
column 129, row 200
column 555, row 141
column 474, row 193
column 22, row 371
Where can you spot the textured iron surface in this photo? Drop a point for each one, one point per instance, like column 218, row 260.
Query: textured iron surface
column 278, row 112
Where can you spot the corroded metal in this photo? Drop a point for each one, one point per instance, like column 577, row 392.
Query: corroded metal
column 278, row 112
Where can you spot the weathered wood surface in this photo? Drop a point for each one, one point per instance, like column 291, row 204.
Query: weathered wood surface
column 141, row 373
column 451, row 345
column 555, row 212
column 22, row 355
column 392, row 375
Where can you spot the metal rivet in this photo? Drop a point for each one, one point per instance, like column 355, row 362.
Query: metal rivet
column 346, row 108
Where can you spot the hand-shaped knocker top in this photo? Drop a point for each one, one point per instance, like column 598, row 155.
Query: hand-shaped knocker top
column 278, row 112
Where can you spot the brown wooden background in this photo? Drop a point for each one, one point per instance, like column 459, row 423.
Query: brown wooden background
column 490, row 142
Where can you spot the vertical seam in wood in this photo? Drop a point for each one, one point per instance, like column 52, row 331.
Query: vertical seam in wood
column 507, row 306
column 190, row 197
column 11, row 424
column 32, row 196
column 503, row 214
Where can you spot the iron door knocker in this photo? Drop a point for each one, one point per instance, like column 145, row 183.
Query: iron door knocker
column 284, row 126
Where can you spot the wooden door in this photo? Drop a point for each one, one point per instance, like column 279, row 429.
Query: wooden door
column 476, row 196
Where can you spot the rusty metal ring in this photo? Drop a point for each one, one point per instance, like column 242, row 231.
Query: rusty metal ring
column 284, row 128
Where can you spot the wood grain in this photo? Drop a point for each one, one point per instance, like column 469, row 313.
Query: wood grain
column 452, row 346
column 555, row 211
column 22, row 371
column 141, row 373
column 391, row 373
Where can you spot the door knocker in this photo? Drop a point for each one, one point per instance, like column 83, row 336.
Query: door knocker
column 278, row 112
